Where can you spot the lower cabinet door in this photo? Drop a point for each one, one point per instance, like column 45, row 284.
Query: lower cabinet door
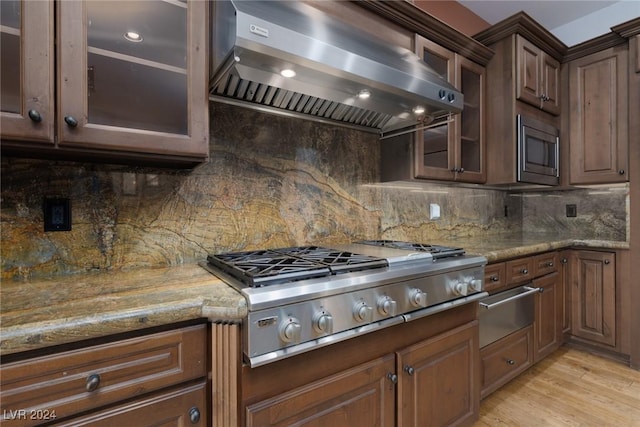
column 186, row 406
column 548, row 319
column 363, row 396
column 439, row 380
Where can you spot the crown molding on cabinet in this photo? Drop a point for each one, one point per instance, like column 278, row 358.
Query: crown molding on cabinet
column 413, row 18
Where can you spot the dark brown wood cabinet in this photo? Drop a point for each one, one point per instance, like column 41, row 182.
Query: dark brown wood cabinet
column 523, row 78
column 538, row 77
column 87, row 379
column 454, row 151
column 116, row 98
column 547, row 326
column 598, row 114
column 438, row 382
column 593, row 296
column 505, row 359
column 360, row 396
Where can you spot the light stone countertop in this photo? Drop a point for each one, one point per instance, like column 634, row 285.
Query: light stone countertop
column 40, row 313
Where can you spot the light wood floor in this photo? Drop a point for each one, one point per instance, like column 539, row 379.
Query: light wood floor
column 568, row 388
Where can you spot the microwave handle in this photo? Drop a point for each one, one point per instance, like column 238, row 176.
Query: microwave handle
column 557, row 157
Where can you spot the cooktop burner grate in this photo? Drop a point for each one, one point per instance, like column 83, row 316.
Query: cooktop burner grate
column 268, row 267
column 436, row 250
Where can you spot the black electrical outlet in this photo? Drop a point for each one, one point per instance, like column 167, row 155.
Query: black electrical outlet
column 57, row 214
column 572, row 211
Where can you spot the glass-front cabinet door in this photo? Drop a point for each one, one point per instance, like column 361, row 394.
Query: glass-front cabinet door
column 26, row 71
column 470, row 154
column 132, row 76
column 453, row 151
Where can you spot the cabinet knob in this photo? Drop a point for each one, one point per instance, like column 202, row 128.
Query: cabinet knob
column 194, row 415
column 564, row 260
column 71, row 121
column 550, row 264
column 607, row 262
column 524, row 271
column 93, row 382
column 409, row 369
column 35, row 116
column 392, row 377
column 621, row 171
column 494, row 278
column 511, row 361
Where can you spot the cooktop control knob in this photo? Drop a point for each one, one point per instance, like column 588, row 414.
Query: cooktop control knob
column 362, row 312
column 290, row 330
column 475, row 285
column 460, row 289
column 387, row 306
column 418, row 298
column 323, row 322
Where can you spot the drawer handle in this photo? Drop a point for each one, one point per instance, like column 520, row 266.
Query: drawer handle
column 93, row 382
column 550, row 264
column 511, row 361
column 528, row 291
column 524, row 271
column 194, row 415
column 494, row 278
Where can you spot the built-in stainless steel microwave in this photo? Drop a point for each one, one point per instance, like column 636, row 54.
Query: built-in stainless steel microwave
column 538, row 152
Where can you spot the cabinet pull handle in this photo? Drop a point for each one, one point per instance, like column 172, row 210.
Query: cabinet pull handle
column 564, row 260
column 621, row 171
column 71, row 121
column 93, row 382
column 194, row 415
column 393, row 378
column 524, row 271
column 511, row 361
column 409, row 370
column 550, row 264
column 606, row 261
column 35, row 116
column 494, row 278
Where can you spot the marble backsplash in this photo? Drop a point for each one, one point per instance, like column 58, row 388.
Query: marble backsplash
column 271, row 182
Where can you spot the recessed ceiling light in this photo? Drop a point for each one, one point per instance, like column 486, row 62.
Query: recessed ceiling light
column 288, row 73
column 419, row 110
column 132, row 36
column 364, row 94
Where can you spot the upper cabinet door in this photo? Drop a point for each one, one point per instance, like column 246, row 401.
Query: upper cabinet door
column 470, row 131
column 598, row 117
column 132, row 76
column 26, row 67
column 538, row 77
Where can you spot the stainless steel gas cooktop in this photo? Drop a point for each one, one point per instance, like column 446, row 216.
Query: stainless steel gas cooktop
column 301, row 298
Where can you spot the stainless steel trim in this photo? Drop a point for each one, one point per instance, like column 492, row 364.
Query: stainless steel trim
column 284, row 353
column 444, row 306
column 529, row 291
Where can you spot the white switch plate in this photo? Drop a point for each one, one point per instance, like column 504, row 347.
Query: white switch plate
column 434, row 211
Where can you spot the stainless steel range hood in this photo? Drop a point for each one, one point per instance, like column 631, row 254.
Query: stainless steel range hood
column 334, row 65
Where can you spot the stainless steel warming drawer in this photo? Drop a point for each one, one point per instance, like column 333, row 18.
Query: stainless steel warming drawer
column 506, row 312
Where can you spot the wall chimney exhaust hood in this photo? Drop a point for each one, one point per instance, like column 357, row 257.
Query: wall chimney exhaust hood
column 291, row 58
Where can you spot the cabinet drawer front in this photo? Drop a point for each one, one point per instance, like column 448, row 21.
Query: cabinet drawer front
column 495, row 277
column 505, row 359
column 75, row 381
column 545, row 263
column 519, row 270
column 182, row 407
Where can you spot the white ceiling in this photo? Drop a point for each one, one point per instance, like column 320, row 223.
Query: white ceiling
column 572, row 21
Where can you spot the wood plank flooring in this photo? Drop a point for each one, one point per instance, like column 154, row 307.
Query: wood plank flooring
column 569, row 388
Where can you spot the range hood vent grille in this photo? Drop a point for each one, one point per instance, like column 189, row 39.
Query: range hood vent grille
column 233, row 87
